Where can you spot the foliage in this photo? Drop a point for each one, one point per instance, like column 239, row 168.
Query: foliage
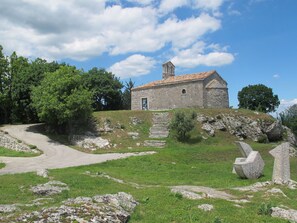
column 126, row 97
column 289, row 118
column 60, row 100
column 182, row 124
column 4, row 87
column 105, row 87
column 259, row 98
column 265, row 209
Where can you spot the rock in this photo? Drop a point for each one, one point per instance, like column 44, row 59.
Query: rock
column 250, row 167
column 110, row 208
column 9, row 142
column 274, row 132
column 42, row 173
column 206, row 207
column 290, row 215
column 8, row 208
column 49, row 188
column 135, row 121
column 291, row 138
column 134, row 135
column 208, row 128
column 89, row 142
column 281, row 168
column 219, row 125
column 160, row 128
column 276, row 191
column 187, row 194
column 259, row 186
column 202, row 119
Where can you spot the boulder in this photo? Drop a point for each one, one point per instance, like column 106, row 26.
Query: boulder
column 208, row 128
column 290, row 214
column 49, row 188
column 274, row 132
column 206, row 207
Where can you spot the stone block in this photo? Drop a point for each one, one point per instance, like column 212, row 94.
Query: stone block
column 281, row 168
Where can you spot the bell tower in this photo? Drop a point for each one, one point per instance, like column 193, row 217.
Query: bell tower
column 168, row 70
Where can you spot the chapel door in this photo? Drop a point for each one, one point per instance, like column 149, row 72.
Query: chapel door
column 144, row 104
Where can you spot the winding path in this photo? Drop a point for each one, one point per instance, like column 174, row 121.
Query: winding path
column 55, row 155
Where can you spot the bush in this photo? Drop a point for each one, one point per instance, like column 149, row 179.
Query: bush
column 182, row 124
column 289, row 118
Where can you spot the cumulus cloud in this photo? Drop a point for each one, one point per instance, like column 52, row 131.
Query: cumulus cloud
column 284, row 104
column 199, row 54
column 276, row 76
column 133, row 66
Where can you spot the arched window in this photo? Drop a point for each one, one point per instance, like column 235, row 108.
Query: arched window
column 184, row 91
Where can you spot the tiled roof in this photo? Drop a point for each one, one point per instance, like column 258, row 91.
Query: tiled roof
column 177, row 79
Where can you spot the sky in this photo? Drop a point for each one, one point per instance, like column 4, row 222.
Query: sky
column 246, row 41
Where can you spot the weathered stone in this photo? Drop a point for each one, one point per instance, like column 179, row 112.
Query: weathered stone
column 219, row 125
column 160, row 128
column 42, row 173
column 9, row 142
column 89, row 142
column 135, row 121
column 276, row 191
column 49, row 188
column 259, row 186
column 208, row 128
column 244, row 148
column 187, row 194
column 275, row 131
column 291, row 138
column 110, row 208
column 202, row 118
column 8, row 208
column 134, row 135
column 206, row 207
column 251, row 167
column 290, row 215
column 281, row 168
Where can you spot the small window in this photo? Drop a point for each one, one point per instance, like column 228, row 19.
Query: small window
column 184, row 91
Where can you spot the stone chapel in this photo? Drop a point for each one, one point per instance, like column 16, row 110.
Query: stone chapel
column 198, row 90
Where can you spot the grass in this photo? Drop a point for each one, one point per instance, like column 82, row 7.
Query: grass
column 13, row 153
column 202, row 163
column 2, row 165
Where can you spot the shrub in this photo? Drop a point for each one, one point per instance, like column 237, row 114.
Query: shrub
column 289, row 118
column 182, row 124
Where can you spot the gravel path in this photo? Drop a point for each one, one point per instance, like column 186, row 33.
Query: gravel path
column 55, row 155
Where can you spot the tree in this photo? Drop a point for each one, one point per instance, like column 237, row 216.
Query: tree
column 258, row 98
column 182, row 124
column 126, row 97
column 289, row 118
column 4, row 87
column 105, row 87
column 61, row 100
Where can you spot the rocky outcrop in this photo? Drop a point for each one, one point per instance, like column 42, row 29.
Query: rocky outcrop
column 49, row 188
column 89, row 141
column 9, row 142
column 110, row 208
column 290, row 214
column 242, row 127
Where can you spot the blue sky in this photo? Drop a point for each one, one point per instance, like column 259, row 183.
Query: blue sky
column 246, row 41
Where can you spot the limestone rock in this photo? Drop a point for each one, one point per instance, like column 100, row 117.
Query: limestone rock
column 274, row 132
column 110, row 208
column 89, row 142
column 281, row 168
column 135, row 120
column 49, row 188
column 187, row 194
column 206, row 207
column 291, row 138
column 8, row 208
column 244, row 148
column 134, row 135
column 208, row 128
column 290, row 215
column 276, row 191
column 42, row 173
column 160, row 128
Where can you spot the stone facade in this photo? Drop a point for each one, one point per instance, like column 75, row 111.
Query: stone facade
column 201, row 90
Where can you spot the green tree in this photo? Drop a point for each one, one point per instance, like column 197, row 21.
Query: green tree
column 289, row 118
column 182, row 124
column 126, row 97
column 106, row 89
column 259, row 98
column 61, row 100
column 4, row 87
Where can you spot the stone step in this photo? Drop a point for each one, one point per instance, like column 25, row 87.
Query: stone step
column 155, row 143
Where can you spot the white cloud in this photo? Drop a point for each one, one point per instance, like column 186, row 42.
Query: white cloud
column 79, row 30
column 133, row 66
column 197, row 55
column 284, row 104
column 276, row 76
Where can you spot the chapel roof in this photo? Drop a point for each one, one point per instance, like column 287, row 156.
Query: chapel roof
column 177, row 79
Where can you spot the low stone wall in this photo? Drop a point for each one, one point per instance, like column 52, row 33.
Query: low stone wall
column 9, row 142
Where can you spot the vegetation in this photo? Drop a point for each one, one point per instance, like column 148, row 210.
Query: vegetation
column 12, row 153
column 61, row 101
column 126, row 98
column 182, row 124
column 258, row 98
column 289, row 118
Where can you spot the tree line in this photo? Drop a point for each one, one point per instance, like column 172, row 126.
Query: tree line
column 38, row 90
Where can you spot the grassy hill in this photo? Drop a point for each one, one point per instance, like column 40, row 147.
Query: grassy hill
column 198, row 162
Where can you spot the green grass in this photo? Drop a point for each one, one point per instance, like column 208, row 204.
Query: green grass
column 198, row 162
column 2, row 165
column 12, row 153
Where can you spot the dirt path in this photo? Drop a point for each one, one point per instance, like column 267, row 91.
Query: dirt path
column 54, row 155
